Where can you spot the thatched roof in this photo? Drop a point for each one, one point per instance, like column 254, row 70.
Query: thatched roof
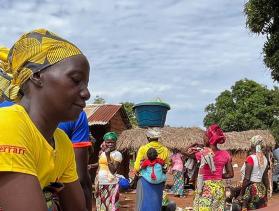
column 171, row 137
column 241, row 140
column 182, row 137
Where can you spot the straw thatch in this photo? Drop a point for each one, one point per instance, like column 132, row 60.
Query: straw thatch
column 240, row 141
column 171, row 137
column 181, row 138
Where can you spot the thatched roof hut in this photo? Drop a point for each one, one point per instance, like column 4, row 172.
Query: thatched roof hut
column 171, row 137
column 240, row 141
column 182, row 137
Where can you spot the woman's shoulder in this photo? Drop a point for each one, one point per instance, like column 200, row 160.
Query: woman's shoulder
column 61, row 138
column 14, row 111
column 224, row 154
column 14, row 121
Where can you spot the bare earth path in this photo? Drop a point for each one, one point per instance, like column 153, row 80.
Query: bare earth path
column 127, row 201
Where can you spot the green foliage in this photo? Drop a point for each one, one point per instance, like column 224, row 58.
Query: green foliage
column 275, row 129
column 263, row 18
column 248, row 105
column 128, row 106
column 99, row 100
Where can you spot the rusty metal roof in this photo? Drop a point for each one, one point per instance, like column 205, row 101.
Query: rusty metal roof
column 101, row 114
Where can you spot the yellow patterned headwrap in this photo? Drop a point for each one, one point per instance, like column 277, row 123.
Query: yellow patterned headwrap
column 33, row 52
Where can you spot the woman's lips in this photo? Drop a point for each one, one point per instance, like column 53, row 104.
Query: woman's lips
column 81, row 105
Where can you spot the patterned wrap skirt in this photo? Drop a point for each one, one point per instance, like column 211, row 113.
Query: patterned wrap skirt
column 212, row 197
column 178, row 186
column 52, row 201
column 256, row 196
column 107, row 197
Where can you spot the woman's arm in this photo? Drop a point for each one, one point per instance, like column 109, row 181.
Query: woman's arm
column 20, row 191
column 266, row 180
column 170, row 166
column 92, row 166
column 113, row 165
column 229, row 171
column 190, row 153
column 81, row 155
column 72, row 197
column 139, row 158
column 247, row 176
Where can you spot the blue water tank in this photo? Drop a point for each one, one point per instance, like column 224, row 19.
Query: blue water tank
column 151, row 114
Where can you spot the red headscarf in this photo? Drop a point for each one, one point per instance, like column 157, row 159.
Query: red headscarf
column 215, row 135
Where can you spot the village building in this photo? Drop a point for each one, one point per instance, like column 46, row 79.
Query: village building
column 103, row 118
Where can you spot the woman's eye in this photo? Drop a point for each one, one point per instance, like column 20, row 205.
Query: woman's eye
column 76, row 80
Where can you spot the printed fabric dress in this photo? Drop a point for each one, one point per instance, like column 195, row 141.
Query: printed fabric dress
column 107, row 188
column 178, row 174
column 212, row 191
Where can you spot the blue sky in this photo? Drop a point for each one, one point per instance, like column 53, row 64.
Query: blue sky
column 184, row 51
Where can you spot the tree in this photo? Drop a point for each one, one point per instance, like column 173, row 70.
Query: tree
column 263, row 18
column 275, row 123
column 128, row 106
column 248, row 105
column 99, row 100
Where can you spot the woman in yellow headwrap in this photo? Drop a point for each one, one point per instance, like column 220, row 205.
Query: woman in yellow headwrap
column 48, row 77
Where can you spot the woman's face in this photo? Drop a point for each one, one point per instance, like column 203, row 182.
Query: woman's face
column 205, row 140
column 65, row 87
column 110, row 144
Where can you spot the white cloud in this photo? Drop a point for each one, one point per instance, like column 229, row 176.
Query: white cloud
column 133, row 88
column 185, row 52
column 210, row 91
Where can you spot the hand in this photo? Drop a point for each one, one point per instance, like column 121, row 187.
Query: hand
column 192, row 150
column 89, row 167
column 92, row 166
column 200, row 145
column 108, row 150
column 239, row 198
column 267, row 194
column 107, row 153
column 169, row 171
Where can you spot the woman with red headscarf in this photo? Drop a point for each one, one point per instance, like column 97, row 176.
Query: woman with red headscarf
column 210, row 193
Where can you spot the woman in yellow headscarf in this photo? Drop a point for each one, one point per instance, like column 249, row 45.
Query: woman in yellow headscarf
column 48, row 77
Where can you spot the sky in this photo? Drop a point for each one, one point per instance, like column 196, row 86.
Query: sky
column 185, row 52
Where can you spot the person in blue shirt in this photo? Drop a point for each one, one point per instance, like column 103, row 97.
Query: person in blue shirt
column 78, row 132
column 5, row 103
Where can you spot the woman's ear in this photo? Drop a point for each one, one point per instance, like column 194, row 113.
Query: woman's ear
column 36, row 79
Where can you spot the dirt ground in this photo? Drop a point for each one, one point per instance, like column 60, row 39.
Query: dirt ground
column 127, row 201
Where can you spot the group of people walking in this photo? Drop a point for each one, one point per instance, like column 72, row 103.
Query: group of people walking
column 213, row 166
column 46, row 77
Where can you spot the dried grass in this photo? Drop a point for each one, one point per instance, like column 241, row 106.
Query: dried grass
column 179, row 137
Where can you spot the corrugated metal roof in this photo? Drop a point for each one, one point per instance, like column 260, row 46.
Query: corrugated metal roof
column 100, row 114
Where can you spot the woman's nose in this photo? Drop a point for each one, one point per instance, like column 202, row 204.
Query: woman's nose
column 85, row 94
